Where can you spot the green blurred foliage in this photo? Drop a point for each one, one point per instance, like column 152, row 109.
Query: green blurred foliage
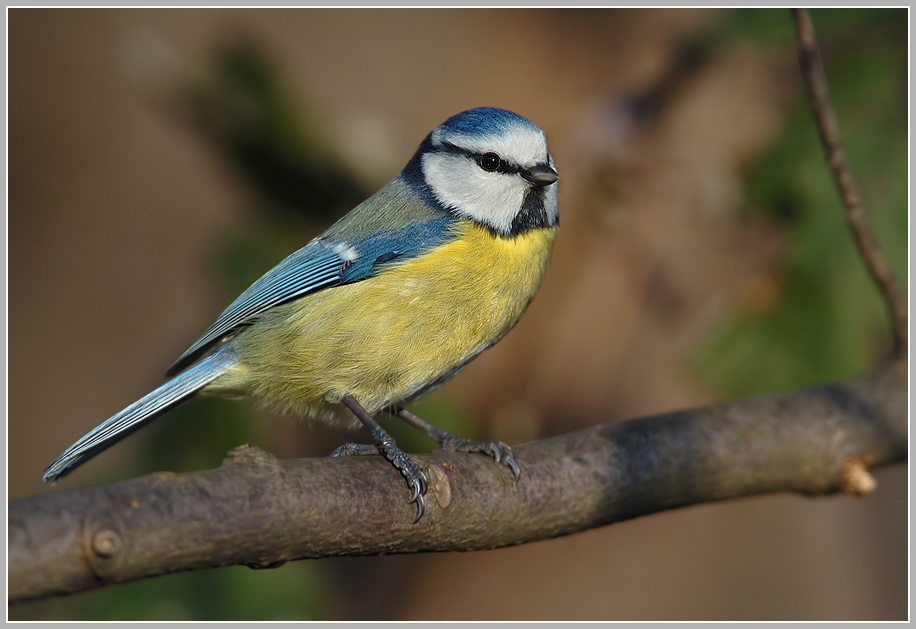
column 294, row 591
column 243, row 106
column 828, row 320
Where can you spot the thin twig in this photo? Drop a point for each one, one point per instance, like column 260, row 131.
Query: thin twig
column 878, row 266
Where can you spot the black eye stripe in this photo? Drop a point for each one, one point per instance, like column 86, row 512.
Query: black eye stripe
column 503, row 167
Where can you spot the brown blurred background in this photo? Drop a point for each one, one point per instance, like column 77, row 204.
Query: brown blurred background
column 160, row 160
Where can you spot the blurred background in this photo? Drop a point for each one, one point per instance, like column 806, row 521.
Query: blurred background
column 161, row 160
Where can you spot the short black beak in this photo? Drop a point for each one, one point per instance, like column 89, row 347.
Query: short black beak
column 540, row 175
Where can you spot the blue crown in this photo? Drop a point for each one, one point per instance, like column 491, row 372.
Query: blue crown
column 484, row 120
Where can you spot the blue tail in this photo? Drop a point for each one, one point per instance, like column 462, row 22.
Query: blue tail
column 140, row 412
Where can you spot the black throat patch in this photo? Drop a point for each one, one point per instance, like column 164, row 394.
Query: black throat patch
column 533, row 214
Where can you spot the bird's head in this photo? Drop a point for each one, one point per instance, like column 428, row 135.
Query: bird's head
column 491, row 166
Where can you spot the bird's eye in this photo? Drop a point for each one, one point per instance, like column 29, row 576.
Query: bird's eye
column 489, row 162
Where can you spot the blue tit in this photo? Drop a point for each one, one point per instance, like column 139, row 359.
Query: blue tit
column 390, row 302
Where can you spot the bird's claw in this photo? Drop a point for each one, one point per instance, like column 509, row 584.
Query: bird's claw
column 419, row 485
column 497, row 450
column 412, row 473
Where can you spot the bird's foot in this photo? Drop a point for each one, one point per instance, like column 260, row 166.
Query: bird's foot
column 501, row 452
column 386, row 446
column 412, row 473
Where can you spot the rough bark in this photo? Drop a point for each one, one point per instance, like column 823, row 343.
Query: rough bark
column 258, row 511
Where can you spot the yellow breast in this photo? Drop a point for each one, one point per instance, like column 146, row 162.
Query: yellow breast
column 387, row 338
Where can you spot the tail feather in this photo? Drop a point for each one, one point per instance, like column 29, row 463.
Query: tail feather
column 140, row 412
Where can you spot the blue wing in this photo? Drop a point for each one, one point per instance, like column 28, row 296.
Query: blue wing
column 325, row 262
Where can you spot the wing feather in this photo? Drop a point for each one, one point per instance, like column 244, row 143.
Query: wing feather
column 321, row 264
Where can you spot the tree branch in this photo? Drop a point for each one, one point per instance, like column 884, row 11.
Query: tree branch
column 878, row 266
column 258, row 511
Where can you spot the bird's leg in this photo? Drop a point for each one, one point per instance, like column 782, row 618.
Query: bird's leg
column 386, row 446
column 496, row 449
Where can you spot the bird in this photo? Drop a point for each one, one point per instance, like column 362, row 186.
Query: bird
column 389, row 303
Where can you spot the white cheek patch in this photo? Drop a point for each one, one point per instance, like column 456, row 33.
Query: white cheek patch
column 461, row 185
